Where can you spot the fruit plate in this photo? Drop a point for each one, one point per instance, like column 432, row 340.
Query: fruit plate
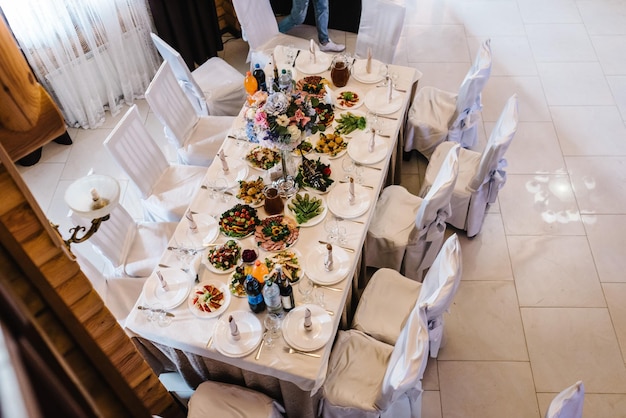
column 209, row 299
column 277, row 233
column 299, row 204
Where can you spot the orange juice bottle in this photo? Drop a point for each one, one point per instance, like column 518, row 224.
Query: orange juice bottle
column 259, row 271
column 250, row 83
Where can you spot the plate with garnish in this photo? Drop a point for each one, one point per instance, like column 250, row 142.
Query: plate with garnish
column 262, row 158
column 208, row 299
column 223, row 258
column 332, row 145
column 306, row 209
column 347, row 99
column 277, row 233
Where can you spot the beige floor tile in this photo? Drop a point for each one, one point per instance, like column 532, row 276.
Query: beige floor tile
column 615, row 297
column 560, row 341
column 430, row 381
column 554, row 11
column 42, row 180
column 603, row 17
column 595, row 405
column 618, row 88
column 491, row 18
column 590, row 130
column 534, row 150
column 438, row 43
column 599, row 184
column 445, row 76
column 484, row 324
column 605, row 46
column 486, row 257
column 560, row 43
column 575, row 84
column 539, row 204
column 81, row 158
column 531, row 98
column 607, row 239
column 431, row 404
column 512, row 55
column 555, row 271
column 480, row 389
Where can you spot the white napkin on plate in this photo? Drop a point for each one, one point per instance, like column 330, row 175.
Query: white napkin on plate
column 164, row 285
column 234, row 329
column 328, row 260
column 370, row 146
column 368, row 64
column 223, row 160
column 193, row 226
column 308, row 325
column 351, row 197
column 328, row 96
column 313, row 58
column 389, row 89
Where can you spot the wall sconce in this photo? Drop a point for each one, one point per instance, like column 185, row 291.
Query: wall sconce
column 91, row 197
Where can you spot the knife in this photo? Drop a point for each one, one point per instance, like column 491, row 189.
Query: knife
column 258, row 353
column 296, row 57
column 145, row 308
column 348, row 249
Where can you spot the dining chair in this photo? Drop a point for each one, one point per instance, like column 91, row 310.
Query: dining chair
column 380, row 29
column 437, row 115
column 382, row 320
column 481, row 175
column 407, row 231
column 369, row 378
column 165, row 189
column 197, row 139
column 568, row 403
column 213, row 88
column 224, row 400
column 260, row 28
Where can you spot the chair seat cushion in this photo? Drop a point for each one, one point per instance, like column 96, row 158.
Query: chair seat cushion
column 215, row 399
column 147, row 247
column 387, row 301
column 356, row 369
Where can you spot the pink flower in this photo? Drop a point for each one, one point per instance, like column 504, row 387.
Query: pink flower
column 260, row 119
column 300, row 118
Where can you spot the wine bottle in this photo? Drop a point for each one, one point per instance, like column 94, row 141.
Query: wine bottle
column 286, row 291
column 255, row 295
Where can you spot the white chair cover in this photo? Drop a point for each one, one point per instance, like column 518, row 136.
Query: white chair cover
column 481, row 175
column 196, row 138
column 260, row 28
column 437, row 115
column 368, row 378
column 165, row 189
column 380, row 29
column 439, row 287
column 215, row 399
column 214, row 88
column 407, row 231
column 568, row 403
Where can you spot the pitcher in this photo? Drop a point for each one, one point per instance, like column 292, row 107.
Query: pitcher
column 340, row 70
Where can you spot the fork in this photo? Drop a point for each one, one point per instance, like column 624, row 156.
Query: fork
column 292, row 351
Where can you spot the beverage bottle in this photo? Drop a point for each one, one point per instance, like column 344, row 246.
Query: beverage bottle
column 271, row 297
column 286, row 291
column 250, row 83
column 285, row 81
column 259, row 75
column 259, row 271
column 275, row 76
column 255, row 295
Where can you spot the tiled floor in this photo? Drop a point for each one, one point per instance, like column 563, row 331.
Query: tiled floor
column 542, row 301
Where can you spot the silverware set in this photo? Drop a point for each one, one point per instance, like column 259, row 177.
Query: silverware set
column 290, row 350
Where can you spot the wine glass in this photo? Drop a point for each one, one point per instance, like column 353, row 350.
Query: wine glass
column 347, row 164
column 330, row 226
column 272, row 326
column 221, row 185
column 305, row 288
column 184, row 252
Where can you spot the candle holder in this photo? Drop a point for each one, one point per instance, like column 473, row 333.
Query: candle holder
column 91, row 197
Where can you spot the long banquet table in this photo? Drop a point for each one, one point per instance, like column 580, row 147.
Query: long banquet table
column 292, row 379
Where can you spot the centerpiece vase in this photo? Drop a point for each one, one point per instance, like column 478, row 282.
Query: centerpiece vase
column 286, row 184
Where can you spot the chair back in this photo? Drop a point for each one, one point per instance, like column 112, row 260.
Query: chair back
column 442, row 280
column 568, row 403
column 189, row 85
column 135, row 151
column 408, row 360
column 169, row 103
column 114, row 236
column 492, row 161
column 257, row 20
column 380, row 26
column 468, row 101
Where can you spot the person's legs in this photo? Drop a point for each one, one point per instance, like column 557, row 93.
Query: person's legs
column 321, row 20
column 296, row 17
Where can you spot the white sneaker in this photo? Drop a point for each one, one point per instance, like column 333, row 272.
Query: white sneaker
column 330, row 46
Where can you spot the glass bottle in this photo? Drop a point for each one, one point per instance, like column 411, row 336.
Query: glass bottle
column 259, row 75
column 286, row 291
column 255, row 295
column 285, row 81
column 271, row 297
column 259, row 271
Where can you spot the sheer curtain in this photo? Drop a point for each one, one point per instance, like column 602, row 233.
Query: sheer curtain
column 91, row 55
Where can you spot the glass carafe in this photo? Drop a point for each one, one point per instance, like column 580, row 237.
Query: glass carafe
column 340, row 70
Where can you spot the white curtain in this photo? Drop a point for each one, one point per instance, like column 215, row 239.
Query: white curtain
column 90, row 55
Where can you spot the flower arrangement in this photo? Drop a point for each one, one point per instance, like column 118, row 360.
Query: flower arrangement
column 280, row 119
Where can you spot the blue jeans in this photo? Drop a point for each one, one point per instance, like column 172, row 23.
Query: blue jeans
column 298, row 14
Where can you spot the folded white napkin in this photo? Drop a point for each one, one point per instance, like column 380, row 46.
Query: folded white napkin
column 308, row 325
column 193, row 227
column 234, row 329
column 351, row 197
column 370, row 146
column 328, row 260
column 329, row 95
column 223, row 160
column 389, row 89
column 312, row 51
column 164, row 285
column 368, row 64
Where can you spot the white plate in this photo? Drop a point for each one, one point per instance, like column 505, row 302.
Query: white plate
column 312, row 221
column 360, row 74
column 376, row 100
column 250, row 332
column 211, row 267
column 306, row 66
column 208, row 230
column 237, row 170
column 337, row 95
column 296, row 336
column 314, row 265
column 202, row 314
column 274, row 257
column 338, row 203
column 178, row 282
column 358, row 148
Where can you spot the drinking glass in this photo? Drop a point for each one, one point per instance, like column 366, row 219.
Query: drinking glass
column 330, row 226
column 318, row 296
column 290, row 54
column 272, row 326
column 184, row 252
column 347, row 164
column 305, row 287
column 221, row 185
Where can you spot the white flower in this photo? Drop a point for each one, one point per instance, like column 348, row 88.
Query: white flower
column 282, row 120
column 294, row 132
column 277, row 103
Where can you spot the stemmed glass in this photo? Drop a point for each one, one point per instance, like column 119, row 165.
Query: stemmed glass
column 305, row 287
column 347, row 164
column 330, row 226
column 272, row 326
column 185, row 252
